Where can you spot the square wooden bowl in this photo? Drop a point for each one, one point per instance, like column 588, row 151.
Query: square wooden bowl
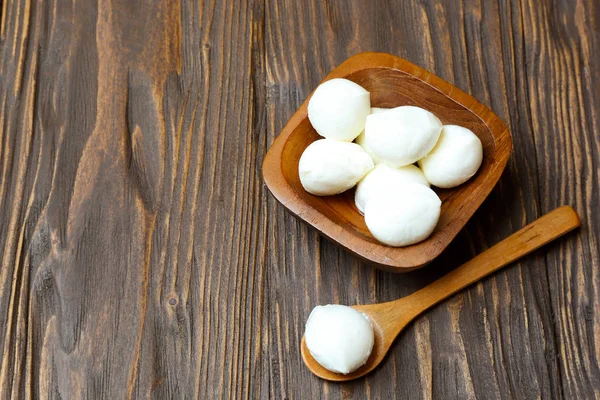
column 392, row 82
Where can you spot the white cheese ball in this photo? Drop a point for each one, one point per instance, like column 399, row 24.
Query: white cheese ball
column 402, row 135
column 384, row 178
column 339, row 338
column 330, row 167
column 361, row 138
column 455, row 158
column 338, row 109
column 377, row 110
column 403, row 217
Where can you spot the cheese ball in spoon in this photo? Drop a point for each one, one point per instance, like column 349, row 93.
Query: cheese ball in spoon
column 455, row 158
column 402, row 135
column 339, row 337
column 384, row 178
column 338, row 109
column 405, row 216
column 329, row 167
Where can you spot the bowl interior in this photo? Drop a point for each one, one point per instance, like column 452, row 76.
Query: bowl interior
column 390, row 88
column 392, row 82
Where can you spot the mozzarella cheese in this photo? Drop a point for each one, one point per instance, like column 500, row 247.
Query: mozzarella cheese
column 338, row 109
column 403, row 217
column 384, row 178
column 455, row 158
column 330, row 167
column 339, row 338
column 402, row 135
column 361, row 138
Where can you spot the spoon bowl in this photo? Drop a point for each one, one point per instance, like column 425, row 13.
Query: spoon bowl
column 384, row 335
column 389, row 319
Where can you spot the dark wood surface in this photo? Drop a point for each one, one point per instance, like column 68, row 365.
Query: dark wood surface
column 141, row 255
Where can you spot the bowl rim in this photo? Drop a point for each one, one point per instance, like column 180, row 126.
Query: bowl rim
column 278, row 186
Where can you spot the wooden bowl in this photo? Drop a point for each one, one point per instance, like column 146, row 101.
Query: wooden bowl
column 392, row 82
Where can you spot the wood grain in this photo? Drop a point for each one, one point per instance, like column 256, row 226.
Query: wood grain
column 564, row 59
column 498, row 339
column 131, row 197
column 141, row 255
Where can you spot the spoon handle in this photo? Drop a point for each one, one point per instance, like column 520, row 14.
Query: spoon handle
column 531, row 237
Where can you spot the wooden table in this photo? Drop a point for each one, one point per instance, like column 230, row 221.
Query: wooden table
column 142, row 256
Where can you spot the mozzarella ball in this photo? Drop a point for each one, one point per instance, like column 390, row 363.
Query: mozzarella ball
column 377, row 110
column 339, row 337
column 402, row 135
column 330, row 167
column 384, row 178
column 455, row 158
column 338, row 109
column 403, row 217
column 360, row 139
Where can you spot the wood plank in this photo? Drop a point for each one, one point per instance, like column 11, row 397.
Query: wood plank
column 132, row 227
column 563, row 77
column 493, row 340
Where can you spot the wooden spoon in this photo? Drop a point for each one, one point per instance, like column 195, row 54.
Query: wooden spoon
column 390, row 318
